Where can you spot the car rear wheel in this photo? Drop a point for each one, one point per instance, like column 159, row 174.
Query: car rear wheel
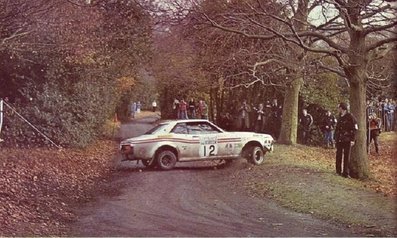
column 166, row 160
column 257, row 155
column 149, row 163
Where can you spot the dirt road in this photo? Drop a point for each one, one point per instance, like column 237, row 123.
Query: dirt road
column 190, row 200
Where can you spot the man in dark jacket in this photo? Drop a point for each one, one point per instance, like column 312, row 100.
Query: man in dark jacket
column 345, row 136
column 275, row 119
column 305, row 122
column 328, row 127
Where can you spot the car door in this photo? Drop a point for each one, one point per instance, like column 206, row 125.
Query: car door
column 184, row 142
column 208, row 139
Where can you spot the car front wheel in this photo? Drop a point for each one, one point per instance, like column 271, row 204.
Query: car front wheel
column 257, row 155
column 166, row 160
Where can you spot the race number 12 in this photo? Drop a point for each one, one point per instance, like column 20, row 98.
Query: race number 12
column 208, row 150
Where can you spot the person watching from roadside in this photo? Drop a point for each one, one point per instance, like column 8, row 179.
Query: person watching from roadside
column 374, row 124
column 345, row 136
column 183, row 109
column 329, row 123
column 192, row 109
column 243, row 116
column 260, row 118
column 154, row 105
column 305, row 122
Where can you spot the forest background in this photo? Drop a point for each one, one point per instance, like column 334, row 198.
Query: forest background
column 70, row 66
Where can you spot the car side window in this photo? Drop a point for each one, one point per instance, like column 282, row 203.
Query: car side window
column 201, row 128
column 179, row 128
column 194, row 129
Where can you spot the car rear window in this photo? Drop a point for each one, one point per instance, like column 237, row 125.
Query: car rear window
column 156, row 129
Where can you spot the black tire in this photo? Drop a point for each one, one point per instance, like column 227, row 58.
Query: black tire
column 149, row 163
column 257, row 156
column 166, row 159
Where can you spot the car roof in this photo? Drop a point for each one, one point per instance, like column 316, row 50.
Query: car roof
column 174, row 122
column 184, row 120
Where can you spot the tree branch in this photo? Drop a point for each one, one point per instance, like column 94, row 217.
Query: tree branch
column 380, row 43
column 331, row 69
column 215, row 24
column 373, row 29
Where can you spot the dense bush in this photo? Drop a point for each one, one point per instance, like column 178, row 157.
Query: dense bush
column 71, row 116
column 68, row 77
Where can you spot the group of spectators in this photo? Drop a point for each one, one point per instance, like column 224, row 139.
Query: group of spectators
column 190, row 110
column 339, row 132
column 381, row 116
column 135, row 108
column 385, row 110
column 266, row 118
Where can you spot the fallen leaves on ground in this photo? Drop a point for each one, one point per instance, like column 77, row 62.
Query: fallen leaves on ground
column 382, row 166
column 38, row 187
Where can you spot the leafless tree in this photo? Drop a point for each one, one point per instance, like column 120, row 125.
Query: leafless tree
column 352, row 33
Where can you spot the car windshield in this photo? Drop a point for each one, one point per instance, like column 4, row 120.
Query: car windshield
column 156, row 129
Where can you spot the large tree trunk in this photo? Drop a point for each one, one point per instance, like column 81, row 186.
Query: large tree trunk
column 289, row 126
column 359, row 156
column 356, row 73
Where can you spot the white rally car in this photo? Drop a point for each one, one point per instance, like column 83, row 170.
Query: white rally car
column 194, row 140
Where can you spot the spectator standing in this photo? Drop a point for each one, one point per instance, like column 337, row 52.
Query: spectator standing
column 243, row 116
column 175, row 108
column 374, row 124
column 259, row 118
column 202, row 110
column 138, row 107
column 154, row 105
column 389, row 114
column 329, row 123
column 395, row 116
column 133, row 109
column 268, row 111
column 305, row 122
column 370, row 108
column 345, row 136
column 192, row 108
column 383, row 109
column 275, row 118
column 183, row 109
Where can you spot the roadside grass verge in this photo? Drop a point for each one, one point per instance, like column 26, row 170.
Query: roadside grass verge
column 303, row 178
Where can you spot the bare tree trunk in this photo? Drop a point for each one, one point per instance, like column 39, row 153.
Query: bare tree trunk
column 359, row 156
column 289, row 126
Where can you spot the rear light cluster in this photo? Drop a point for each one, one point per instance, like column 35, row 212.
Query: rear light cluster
column 127, row 149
